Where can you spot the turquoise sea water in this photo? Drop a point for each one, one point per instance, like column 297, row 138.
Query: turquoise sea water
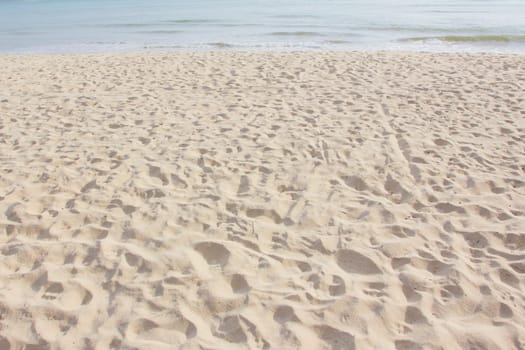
column 71, row 26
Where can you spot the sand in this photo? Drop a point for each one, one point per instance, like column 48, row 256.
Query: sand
column 262, row 201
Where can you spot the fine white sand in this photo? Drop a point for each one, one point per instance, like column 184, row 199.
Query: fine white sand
column 262, row 200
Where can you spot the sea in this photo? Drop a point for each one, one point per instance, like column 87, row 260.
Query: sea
column 100, row 26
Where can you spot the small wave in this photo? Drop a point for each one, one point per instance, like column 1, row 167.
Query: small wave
column 220, row 45
column 153, row 47
column 471, row 39
column 424, row 29
column 296, row 34
column 235, row 25
column 294, row 16
column 309, row 25
column 106, row 43
column 338, row 42
column 189, row 21
column 456, row 11
column 129, row 25
column 160, row 31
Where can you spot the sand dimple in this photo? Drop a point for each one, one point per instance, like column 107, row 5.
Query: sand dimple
column 354, row 262
column 262, row 200
column 214, row 253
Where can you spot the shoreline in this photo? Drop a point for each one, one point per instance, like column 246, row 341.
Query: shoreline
column 343, row 200
column 263, row 51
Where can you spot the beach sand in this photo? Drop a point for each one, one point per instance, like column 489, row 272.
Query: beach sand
column 263, row 201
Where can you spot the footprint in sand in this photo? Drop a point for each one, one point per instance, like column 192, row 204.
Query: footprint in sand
column 214, row 253
column 354, row 262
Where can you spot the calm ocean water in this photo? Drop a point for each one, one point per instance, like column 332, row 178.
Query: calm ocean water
column 71, row 26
